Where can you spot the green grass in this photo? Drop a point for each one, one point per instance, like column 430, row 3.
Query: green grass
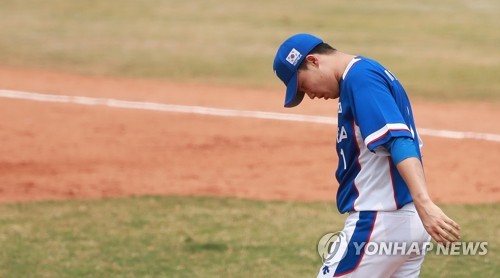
column 198, row 237
column 440, row 49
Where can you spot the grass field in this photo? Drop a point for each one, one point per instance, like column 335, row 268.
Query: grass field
column 440, row 49
column 199, row 237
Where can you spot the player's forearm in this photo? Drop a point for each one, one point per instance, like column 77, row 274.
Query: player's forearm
column 439, row 226
column 412, row 172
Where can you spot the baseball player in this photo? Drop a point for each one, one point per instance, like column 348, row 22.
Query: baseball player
column 381, row 179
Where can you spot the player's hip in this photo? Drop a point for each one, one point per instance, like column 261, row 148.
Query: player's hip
column 380, row 242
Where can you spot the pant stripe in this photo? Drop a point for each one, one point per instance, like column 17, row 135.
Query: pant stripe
column 362, row 233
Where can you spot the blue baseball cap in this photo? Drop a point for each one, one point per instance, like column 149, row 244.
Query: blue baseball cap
column 287, row 61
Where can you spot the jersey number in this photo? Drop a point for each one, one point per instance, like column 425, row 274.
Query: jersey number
column 343, row 158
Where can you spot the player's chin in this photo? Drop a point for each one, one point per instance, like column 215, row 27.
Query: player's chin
column 325, row 97
column 330, row 97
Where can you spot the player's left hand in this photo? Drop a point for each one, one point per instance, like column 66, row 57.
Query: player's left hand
column 439, row 226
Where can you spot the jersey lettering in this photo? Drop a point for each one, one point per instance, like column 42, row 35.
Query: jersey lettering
column 341, row 135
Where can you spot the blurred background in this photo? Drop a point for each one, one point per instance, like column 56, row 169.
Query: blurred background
column 441, row 49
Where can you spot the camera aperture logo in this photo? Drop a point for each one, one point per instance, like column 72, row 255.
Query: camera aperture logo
column 332, row 247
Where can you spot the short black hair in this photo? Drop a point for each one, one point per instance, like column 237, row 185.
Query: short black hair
column 322, row 48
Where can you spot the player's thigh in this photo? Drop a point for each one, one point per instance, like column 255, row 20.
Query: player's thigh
column 410, row 268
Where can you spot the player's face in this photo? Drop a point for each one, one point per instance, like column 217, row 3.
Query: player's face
column 316, row 83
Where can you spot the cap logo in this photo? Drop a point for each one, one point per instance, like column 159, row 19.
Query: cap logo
column 293, row 57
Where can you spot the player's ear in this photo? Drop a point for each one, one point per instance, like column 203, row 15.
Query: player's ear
column 313, row 60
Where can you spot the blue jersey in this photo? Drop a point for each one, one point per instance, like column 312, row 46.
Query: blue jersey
column 373, row 108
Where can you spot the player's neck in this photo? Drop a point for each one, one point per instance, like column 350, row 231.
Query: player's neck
column 339, row 62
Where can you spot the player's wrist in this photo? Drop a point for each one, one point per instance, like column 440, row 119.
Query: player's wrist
column 422, row 200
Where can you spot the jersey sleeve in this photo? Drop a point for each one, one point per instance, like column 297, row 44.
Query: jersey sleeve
column 376, row 112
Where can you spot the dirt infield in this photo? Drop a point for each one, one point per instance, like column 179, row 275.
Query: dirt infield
column 60, row 151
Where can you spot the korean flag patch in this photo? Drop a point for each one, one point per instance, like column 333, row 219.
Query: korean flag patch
column 293, row 57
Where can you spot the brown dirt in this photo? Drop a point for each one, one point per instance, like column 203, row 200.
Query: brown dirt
column 61, row 151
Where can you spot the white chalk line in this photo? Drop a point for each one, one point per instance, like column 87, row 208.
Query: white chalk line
column 222, row 112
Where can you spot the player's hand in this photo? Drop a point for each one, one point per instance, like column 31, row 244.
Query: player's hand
column 439, row 226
